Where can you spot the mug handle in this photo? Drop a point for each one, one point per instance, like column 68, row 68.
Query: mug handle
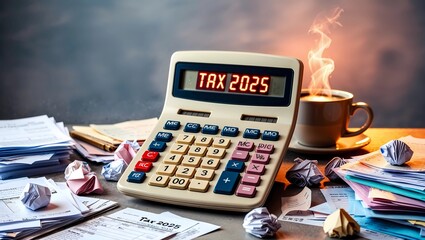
column 366, row 125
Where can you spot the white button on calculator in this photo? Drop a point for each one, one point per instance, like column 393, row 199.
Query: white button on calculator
column 224, row 129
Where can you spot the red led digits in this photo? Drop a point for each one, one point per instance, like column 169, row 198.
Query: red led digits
column 211, row 81
column 239, row 83
column 265, row 82
column 249, row 84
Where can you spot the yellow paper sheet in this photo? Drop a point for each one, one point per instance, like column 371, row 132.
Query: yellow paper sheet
column 129, row 130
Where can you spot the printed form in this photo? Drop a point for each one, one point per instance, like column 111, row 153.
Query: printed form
column 131, row 223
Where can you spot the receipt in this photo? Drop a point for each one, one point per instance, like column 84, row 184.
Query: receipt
column 301, row 201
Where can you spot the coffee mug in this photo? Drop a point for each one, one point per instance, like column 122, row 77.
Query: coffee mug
column 323, row 120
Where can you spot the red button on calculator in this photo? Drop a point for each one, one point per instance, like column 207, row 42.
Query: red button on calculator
column 150, row 156
column 143, row 166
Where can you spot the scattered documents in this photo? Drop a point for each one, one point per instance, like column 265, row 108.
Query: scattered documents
column 33, row 146
column 17, row 221
column 260, row 223
column 98, row 142
column 93, row 153
column 128, row 224
column 336, row 197
column 392, row 195
column 130, row 130
column 340, row 224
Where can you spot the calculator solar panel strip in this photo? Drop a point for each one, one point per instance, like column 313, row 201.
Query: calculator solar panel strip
column 250, row 106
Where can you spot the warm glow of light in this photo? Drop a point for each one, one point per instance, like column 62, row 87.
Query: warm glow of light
column 322, row 67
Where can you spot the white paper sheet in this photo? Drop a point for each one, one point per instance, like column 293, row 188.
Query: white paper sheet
column 28, row 132
column 129, row 224
column 301, row 201
column 199, row 229
column 12, row 209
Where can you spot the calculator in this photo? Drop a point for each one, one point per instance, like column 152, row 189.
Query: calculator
column 226, row 124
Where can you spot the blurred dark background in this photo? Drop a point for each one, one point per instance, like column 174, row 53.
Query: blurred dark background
column 105, row 61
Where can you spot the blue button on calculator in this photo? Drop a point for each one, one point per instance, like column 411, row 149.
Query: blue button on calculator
column 172, row 125
column 192, row 127
column 230, row 131
column 226, row 184
column 252, row 133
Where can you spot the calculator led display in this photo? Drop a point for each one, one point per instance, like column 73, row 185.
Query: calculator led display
column 234, row 84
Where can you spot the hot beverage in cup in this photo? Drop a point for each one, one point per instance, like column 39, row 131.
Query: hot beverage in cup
column 322, row 120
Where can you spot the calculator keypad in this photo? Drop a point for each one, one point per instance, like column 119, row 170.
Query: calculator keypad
column 192, row 159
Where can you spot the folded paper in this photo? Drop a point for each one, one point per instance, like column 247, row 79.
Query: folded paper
column 113, row 170
column 260, row 223
column 396, row 152
column 35, row 196
column 340, row 224
column 89, row 184
column 126, row 151
column 76, row 170
column 334, row 163
column 304, row 173
column 81, row 180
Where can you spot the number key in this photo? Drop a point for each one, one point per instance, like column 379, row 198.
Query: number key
column 179, row 148
column 185, row 138
column 184, row 171
column 197, row 151
column 203, row 141
column 221, row 142
column 204, row 174
column 210, row 163
column 178, row 183
column 216, row 152
column 191, row 161
column 173, row 158
column 159, row 180
column 166, row 169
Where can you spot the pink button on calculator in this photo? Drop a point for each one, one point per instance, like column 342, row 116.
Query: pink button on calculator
column 226, row 124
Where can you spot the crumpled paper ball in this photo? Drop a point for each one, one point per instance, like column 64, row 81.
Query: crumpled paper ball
column 334, row 163
column 340, row 224
column 260, row 223
column 76, row 170
column 35, row 196
column 81, row 180
column 304, row 173
column 126, row 151
column 396, row 152
column 114, row 170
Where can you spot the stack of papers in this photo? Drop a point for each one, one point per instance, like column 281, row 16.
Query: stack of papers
column 394, row 196
column 98, row 142
column 17, row 221
column 33, row 146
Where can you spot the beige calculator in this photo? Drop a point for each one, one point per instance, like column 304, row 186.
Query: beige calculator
column 226, row 124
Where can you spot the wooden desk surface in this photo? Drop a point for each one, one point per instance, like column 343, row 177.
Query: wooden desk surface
column 230, row 222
